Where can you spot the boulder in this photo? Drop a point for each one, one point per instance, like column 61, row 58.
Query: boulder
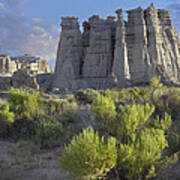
column 23, row 79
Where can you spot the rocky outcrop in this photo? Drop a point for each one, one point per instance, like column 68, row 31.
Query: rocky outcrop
column 32, row 65
column 7, row 66
column 44, row 80
column 116, row 52
column 20, row 79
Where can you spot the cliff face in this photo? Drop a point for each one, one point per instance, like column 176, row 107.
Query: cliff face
column 69, row 53
column 33, row 65
column 115, row 52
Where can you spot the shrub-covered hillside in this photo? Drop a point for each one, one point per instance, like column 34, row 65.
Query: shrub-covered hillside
column 127, row 134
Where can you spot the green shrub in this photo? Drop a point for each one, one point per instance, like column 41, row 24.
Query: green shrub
column 173, row 100
column 70, row 116
column 140, row 136
column 6, row 119
column 132, row 118
column 104, row 109
column 145, row 95
column 168, row 101
column 87, row 95
column 119, row 96
column 3, row 102
column 141, row 155
column 89, row 156
column 173, row 137
column 25, row 105
column 164, row 123
column 6, row 115
column 65, row 111
column 111, row 93
column 48, row 131
column 56, row 107
column 127, row 121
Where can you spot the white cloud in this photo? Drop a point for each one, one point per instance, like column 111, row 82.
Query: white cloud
column 20, row 34
column 1, row 6
column 37, row 20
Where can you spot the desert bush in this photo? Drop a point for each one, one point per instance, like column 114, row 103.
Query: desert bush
column 163, row 123
column 119, row 96
column 111, row 93
column 140, row 95
column 6, row 119
column 69, row 116
column 140, row 156
column 6, row 115
column 87, row 95
column 47, row 131
column 145, row 95
column 25, row 105
column 3, row 102
column 132, row 118
column 66, row 112
column 56, row 107
column 173, row 138
column 140, row 136
column 169, row 101
column 173, row 100
column 140, row 142
column 89, row 156
column 104, row 108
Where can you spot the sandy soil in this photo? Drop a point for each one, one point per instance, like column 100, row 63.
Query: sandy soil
column 25, row 161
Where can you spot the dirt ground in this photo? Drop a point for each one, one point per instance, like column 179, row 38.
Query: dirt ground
column 26, row 161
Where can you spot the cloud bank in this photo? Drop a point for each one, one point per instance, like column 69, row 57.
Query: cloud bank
column 19, row 34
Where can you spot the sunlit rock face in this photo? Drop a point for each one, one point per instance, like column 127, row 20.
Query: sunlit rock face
column 114, row 52
column 32, row 65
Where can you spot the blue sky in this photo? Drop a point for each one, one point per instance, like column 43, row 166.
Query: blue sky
column 32, row 26
column 52, row 10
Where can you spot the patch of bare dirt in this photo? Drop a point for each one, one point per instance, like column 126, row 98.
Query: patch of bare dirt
column 26, row 161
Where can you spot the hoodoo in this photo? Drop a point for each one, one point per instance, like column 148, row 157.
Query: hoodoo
column 114, row 52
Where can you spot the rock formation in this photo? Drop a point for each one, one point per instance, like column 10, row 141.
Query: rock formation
column 32, row 65
column 20, row 79
column 113, row 51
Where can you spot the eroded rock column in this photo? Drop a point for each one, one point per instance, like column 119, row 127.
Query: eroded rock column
column 137, row 45
column 120, row 65
column 96, row 63
column 162, row 44
column 69, row 54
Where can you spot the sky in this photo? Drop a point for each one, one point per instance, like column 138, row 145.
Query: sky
column 33, row 26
